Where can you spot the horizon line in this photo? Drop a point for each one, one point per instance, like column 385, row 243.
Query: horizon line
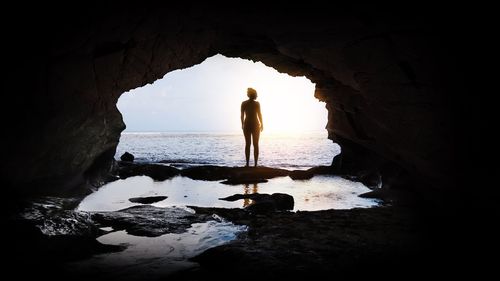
column 218, row 131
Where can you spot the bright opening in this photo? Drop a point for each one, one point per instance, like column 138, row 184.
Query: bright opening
column 207, row 97
column 192, row 117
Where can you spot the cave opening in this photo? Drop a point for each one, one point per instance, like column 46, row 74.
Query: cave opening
column 185, row 134
column 188, row 124
column 191, row 117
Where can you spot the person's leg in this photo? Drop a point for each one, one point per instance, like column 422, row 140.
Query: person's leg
column 255, row 136
column 247, row 134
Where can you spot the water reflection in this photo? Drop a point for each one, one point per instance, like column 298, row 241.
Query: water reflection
column 158, row 256
column 246, row 190
column 318, row 193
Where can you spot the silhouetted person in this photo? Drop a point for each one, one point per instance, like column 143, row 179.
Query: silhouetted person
column 252, row 124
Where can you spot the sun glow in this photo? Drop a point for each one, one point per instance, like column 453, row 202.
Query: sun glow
column 207, row 97
column 287, row 103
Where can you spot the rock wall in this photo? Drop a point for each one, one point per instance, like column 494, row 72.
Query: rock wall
column 387, row 79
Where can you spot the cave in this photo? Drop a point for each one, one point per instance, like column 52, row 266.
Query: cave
column 369, row 81
column 388, row 78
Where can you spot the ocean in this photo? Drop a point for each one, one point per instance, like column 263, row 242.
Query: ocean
column 180, row 149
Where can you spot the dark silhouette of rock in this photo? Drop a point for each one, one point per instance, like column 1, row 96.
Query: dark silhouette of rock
column 150, row 221
column 154, row 171
column 309, row 173
column 304, row 244
column 240, row 196
column 209, row 172
column 265, row 202
column 283, row 201
column 127, row 157
column 301, row 175
column 51, row 232
column 262, row 206
column 233, row 174
column 147, row 200
column 371, row 179
column 337, row 163
column 394, row 197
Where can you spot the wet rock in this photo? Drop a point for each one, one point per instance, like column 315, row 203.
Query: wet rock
column 209, row 173
column 262, row 206
column 265, row 202
column 156, row 172
column 394, row 197
column 49, row 231
column 233, row 174
column 55, row 216
column 150, row 221
column 322, row 170
column 283, row 201
column 38, row 249
column 70, row 247
column 304, row 244
column 270, row 203
column 337, row 163
column 309, row 173
column 127, row 157
column 147, row 200
column 300, row 175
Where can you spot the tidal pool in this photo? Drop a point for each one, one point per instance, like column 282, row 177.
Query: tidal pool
column 318, row 193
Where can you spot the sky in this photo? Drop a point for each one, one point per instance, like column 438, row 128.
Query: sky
column 207, row 98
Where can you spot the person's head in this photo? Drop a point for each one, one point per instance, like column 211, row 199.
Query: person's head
column 252, row 93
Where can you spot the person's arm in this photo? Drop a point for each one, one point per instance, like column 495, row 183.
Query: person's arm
column 242, row 115
column 260, row 118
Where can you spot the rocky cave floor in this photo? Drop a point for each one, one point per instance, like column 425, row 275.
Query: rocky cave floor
column 401, row 236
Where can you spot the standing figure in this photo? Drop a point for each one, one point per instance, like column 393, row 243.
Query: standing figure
column 252, row 124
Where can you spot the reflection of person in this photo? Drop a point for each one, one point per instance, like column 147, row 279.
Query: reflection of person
column 246, row 190
column 252, row 124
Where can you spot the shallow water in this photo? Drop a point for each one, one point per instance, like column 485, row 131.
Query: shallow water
column 288, row 151
column 158, row 256
column 169, row 253
column 318, row 193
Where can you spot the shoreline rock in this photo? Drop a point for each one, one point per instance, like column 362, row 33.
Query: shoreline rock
column 155, row 171
column 311, row 172
column 214, row 173
column 128, row 157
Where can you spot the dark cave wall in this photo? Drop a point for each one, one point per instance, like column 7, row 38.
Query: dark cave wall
column 385, row 80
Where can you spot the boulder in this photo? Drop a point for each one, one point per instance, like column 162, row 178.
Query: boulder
column 127, row 157
column 156, row 172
